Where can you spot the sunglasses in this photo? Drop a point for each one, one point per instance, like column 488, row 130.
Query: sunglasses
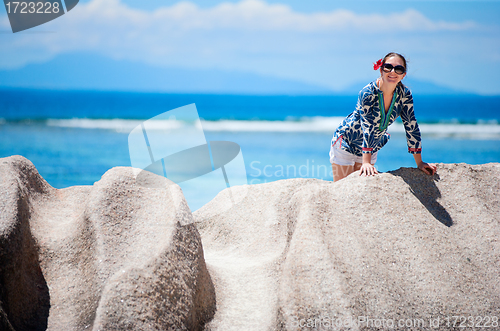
column 387, row 67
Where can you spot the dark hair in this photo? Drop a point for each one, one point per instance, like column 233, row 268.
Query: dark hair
column 391, row 54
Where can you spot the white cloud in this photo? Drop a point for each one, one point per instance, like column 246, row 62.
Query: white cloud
column 258, row 15
column 4, row 23
column 250, row 35
column 110, row 27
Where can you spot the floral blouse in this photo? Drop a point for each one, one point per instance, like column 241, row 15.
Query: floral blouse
column 365, row 129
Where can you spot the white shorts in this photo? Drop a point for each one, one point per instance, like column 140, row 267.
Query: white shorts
column 343, row 158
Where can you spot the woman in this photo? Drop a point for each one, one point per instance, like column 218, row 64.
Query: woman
column 358, row 138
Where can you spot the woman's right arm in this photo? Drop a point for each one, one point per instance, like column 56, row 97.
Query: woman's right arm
column 367, row 118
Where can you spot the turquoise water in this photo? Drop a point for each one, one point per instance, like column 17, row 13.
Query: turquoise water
column 21, row 104
column 73, row 138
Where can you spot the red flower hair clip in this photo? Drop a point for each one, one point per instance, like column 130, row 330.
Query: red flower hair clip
column 377, row 65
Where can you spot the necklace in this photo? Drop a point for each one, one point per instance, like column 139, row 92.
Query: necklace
column 384, row 121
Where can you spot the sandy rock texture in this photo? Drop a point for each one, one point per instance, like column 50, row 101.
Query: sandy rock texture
column 365, row 253
column 112, row 256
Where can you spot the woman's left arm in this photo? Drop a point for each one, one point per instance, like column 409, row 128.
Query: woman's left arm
column 413, row 134
column 428, row 168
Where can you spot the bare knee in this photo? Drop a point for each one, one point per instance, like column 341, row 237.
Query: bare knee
column 340, row 172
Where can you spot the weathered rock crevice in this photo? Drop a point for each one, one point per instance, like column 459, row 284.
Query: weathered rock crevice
column 112, row 256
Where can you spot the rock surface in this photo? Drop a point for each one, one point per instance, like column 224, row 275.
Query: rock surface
column 365, row 252
column 297, row 254
column 112, row 256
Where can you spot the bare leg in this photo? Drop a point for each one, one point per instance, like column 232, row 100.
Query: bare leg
column 340, row 172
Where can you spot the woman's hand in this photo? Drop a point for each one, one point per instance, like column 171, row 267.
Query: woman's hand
column 368, row 169
column 428, row 168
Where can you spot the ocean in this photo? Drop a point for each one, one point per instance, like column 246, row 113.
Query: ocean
column 74, row 137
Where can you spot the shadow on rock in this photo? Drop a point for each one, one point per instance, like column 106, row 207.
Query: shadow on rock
column 24, row 293
column 425, row 190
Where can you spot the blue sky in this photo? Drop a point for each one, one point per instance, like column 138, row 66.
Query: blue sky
column 326, row 43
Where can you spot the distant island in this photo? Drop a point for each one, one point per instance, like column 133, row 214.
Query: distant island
column 84, row 71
